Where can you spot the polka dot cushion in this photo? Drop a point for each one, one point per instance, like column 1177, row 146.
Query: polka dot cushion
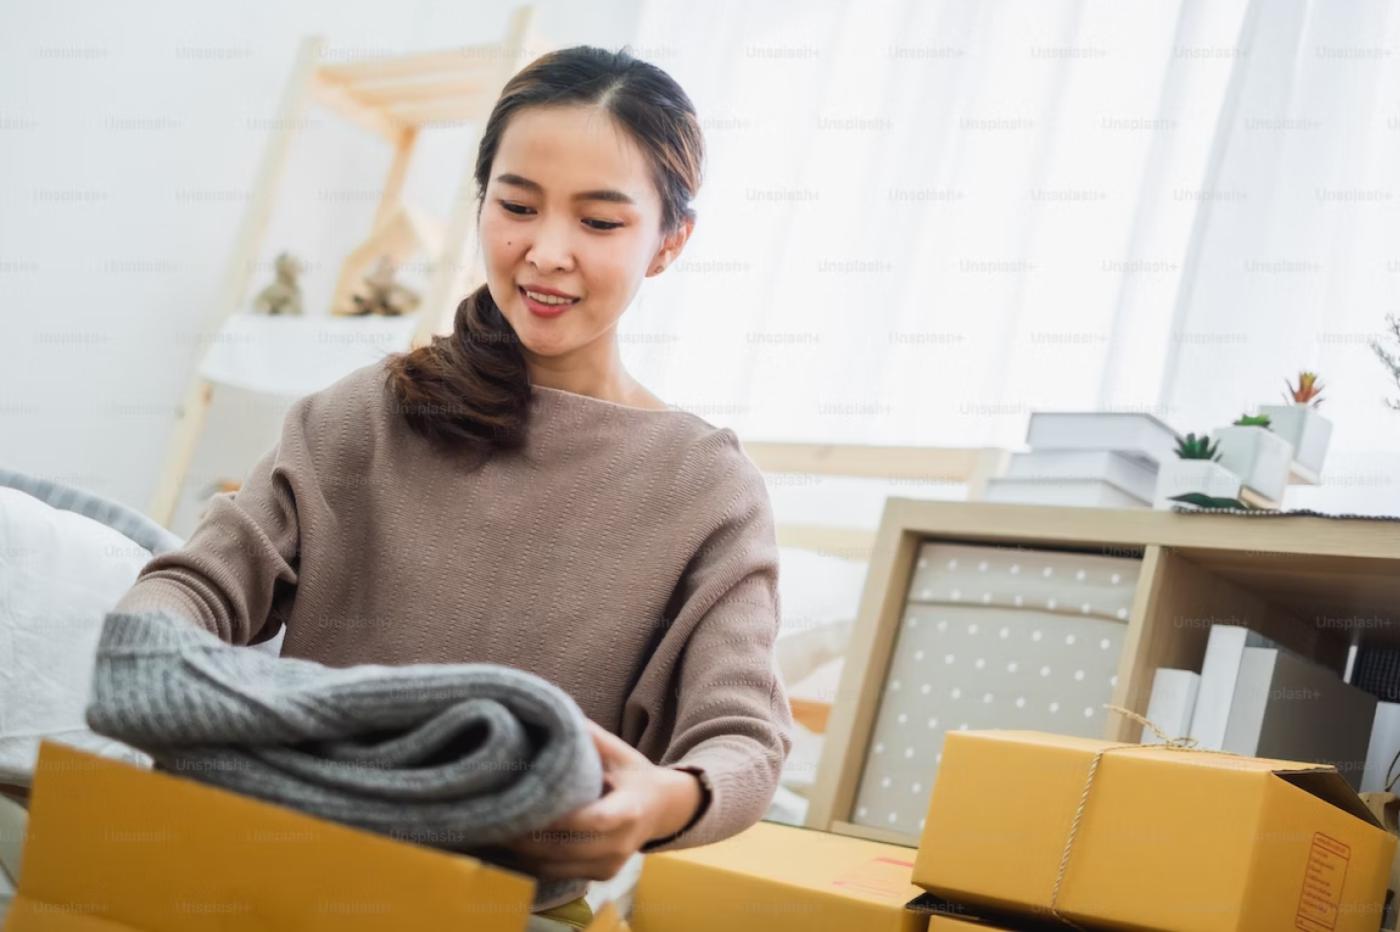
column 992, row 637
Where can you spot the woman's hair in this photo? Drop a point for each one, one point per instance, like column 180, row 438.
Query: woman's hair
column 470, row 389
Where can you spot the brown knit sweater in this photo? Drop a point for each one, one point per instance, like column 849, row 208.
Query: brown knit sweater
column 627, row 555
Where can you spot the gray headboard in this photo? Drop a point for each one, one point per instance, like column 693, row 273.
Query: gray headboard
column 127, row 521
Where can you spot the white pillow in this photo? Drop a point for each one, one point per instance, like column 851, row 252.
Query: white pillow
column 60, row 573
column 819, row 597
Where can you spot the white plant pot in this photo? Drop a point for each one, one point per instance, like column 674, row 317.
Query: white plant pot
column 1179, row 476
column 1260, row 457
column 1302, row 426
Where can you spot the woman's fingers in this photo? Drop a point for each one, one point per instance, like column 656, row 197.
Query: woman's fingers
column 596, row 839
column 568, row 844
column 608, row 825
column 616, row 754
column 560, row 845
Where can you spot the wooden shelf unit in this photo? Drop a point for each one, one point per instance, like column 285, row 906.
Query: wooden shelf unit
column 1316, row 585
column 393, row 98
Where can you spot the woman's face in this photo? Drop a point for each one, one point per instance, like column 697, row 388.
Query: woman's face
column 570, row 206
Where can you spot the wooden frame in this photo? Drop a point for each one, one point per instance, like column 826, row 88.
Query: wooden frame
column 392, row 98
column 1296, row 579
column 401, row 234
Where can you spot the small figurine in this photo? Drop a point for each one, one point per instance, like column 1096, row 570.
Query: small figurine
column 382, row 295
column 283, row 296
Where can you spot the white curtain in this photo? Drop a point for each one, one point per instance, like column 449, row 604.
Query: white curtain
column 1295, row 264
column 923, row 220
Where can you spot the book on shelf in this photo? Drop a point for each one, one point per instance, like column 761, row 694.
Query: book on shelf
column 1288, row 707
column 1377, row 670
column 1171, row 704
column 1219, row 671
column 1381, row 763
column 1089, row 493
column 1132, row 474
column 1131, row 433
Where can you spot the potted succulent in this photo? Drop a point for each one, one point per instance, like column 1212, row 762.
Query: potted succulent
column 1195, row 470
column 1390, row 360
column 1261, row 458
column 1299, row 423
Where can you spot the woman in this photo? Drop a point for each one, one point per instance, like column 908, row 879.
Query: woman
column 510, row 494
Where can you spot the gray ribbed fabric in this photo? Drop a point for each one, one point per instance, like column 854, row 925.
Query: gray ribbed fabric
column 457, row 756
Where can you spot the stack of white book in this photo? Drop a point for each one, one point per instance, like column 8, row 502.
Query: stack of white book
column 1105, row 459
column 1383, row 758
column 1255, row 698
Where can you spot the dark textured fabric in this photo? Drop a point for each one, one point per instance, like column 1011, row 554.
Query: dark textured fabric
column 1281, row 513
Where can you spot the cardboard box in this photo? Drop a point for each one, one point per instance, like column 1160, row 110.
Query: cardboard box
column 1169, row 839
column 778, row 878
column 115, row 847
column 946, row 916
column 954, row 924
column 608, row 919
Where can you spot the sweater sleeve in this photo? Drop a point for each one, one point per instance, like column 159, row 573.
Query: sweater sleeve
column 731, row 716
column 240, row 564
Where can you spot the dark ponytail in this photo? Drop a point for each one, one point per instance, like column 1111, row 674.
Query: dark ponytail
column 468, row 388
column 471, row 388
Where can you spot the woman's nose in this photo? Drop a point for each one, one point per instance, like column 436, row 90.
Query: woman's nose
column 551, row 248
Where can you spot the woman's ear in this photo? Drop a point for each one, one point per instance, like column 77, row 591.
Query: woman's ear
column 671, row 248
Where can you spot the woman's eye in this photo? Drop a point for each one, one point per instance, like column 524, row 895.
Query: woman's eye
column 522, row 210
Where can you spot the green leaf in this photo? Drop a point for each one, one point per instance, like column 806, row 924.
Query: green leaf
column 1203, row 500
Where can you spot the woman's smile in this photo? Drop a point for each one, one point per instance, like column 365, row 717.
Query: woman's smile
column 544, row 304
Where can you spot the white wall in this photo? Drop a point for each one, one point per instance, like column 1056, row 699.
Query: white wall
column 129, row 136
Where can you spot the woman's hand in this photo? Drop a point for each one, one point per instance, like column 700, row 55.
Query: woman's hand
column 641, row 801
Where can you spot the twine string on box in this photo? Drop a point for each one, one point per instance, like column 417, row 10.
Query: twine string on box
column 1168, row 742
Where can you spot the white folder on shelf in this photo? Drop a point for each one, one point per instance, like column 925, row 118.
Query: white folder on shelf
column 295, row 356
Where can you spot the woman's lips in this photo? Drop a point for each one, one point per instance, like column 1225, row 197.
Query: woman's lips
column 544, row 310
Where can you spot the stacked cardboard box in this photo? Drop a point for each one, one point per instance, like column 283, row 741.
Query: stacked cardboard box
column 1115, row 836
column 1025, row 831
column 779, row 878
column 115, row 848
column 1033, row 831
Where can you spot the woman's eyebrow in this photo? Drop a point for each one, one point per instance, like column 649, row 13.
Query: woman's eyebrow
column 603, row 194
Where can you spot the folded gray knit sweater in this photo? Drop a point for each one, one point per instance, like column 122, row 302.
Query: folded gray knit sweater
column 457, row 756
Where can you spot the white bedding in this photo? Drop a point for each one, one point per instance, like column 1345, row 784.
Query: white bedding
column 60, row 572
column 818, row 597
